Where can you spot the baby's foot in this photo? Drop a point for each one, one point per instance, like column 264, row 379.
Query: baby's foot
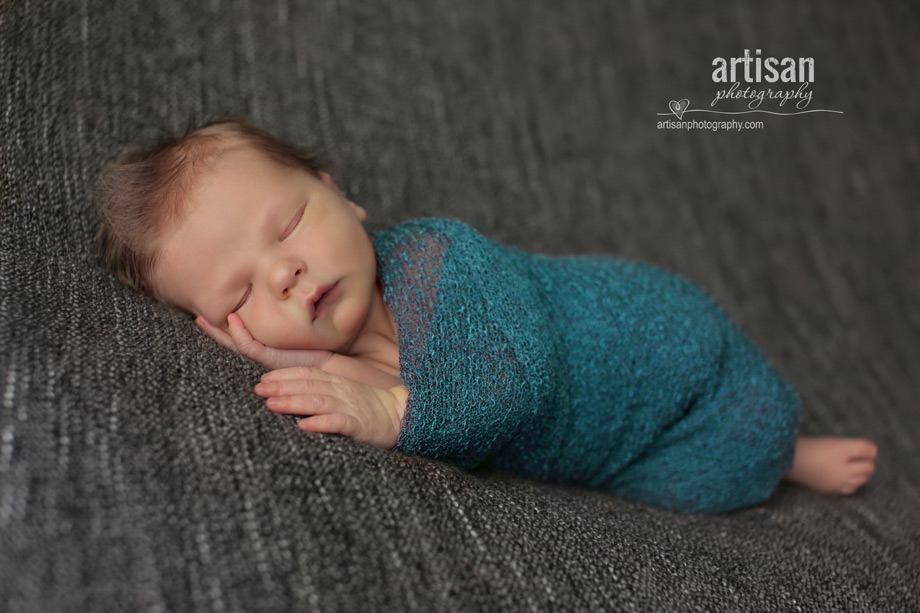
column 833, row 465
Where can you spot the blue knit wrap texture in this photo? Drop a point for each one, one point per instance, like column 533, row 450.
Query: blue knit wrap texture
column 585, row 370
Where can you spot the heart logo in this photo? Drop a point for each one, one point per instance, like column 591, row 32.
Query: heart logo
column 678, row 107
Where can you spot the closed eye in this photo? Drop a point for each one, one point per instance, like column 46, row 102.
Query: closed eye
column 242, row 300
column 293, row 224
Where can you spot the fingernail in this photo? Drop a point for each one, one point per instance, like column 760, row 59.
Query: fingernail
column 261, row 388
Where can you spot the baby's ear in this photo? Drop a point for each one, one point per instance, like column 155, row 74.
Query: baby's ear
column 359, row 211
column 325, row 178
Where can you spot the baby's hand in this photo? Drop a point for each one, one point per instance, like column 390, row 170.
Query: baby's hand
column 241, row 341
column 336, row 404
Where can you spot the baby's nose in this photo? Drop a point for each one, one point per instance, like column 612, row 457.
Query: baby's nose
column 293, row 281
column 285, row 277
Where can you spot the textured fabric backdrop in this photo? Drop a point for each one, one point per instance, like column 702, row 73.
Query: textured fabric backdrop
column 139, row 472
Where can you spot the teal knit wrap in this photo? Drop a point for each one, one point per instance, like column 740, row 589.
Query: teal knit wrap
column 586, row 370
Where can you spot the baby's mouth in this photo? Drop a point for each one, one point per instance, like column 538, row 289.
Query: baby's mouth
column 320, row 304
column 318, row 307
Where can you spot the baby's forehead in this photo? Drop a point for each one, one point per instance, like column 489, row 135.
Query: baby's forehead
column 199, row 167
column 241, row 156
column 186, row 168
column 226, row 173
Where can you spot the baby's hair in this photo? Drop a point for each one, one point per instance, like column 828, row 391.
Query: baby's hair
column 144, row 192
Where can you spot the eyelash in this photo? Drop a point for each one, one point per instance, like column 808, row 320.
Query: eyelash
column 287, row 232
column 294, row 223
column 243, row 300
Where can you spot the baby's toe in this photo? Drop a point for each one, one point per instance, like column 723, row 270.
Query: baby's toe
column 847, row 489
column 862, row 449
column 862, row 468
column 859, row 474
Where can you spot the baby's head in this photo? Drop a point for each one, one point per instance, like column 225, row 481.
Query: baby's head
column 229, row 218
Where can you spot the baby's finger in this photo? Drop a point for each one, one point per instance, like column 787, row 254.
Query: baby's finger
column 313, row 404
column 222, row 338
column 294, row 387
column 298, row 372
column 237, row 328
column 332, row 423
column 240, row 335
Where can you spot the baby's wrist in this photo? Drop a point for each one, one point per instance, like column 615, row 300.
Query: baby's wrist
column 402, row 398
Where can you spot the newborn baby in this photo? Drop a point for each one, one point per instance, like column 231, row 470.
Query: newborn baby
column 434, row 340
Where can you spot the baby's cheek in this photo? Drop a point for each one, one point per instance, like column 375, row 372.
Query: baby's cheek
column 350, row 317
column 267, row 334
column 280, row 333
